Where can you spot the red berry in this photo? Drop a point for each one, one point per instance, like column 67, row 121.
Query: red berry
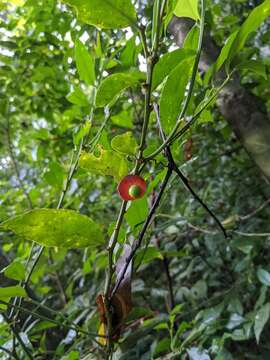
column 132, row 187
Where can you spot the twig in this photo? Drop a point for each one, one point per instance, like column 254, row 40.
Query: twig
column 196, row 197
column 59, row 323
column 12, row 355
column 16, row 334
column 166, row 265
column 185, row 181
column 255, row 212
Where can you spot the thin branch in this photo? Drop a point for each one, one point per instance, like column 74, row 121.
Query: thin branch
column 196, row 197
column 185, row 181
column 166, row 265
column 255, row 212
column 17, row 335
column 59, row 323
column 12, row 355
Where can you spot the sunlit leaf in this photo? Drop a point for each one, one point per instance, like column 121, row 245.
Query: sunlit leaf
column 167, row 63
column 78, row 97
column 61, row 228
column 105, row 14
column 106, row 163
column 173, row 94
column 15, row 271
column 11, row 291
column 187, row 8
column 85, row 63
column 112, row 86
column 124, row 143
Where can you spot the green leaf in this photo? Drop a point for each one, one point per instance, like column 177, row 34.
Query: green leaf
column 263, row 276
column 78, row 97
column 85, row 63
column 123, row 119
column 107, row 163
column 255, row 66
column 261, row 319
column 15, row 271
column 55, row 175
column 146, row 256
column 112, row 86
column 254, row 20
column 61, row 228
column 125, row 143
column 187, row 8
column 224, row 52
column 84, row 130
column 192, row 38
column 137, row 212
column 173, row 94
column 11, row 291
column 167, row 63
column 105, row 14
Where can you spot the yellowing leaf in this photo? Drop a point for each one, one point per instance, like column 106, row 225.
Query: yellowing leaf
column 61, row 228
column 107, row 163
column 101, row 333
column 187, row 8
column 105, row 14
column 16, row 2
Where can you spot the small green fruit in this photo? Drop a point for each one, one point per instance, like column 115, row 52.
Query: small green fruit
column 134, row 191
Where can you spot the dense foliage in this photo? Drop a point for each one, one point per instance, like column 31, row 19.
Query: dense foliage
column 92, row 92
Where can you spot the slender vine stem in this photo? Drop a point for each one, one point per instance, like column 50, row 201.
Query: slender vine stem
column 151, row 59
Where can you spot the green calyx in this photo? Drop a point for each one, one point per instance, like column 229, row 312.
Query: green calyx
column 134, row 191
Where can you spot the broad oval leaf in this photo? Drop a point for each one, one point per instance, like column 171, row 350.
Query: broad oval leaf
column 187, row 8
column 11, row 291
column 61, row 228
column 112, row 86
column 124, row 143
column 173, row 93
column 85, row 63
column 105, row 14
column 106, row 163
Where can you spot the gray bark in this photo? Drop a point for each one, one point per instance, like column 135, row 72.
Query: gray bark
column 245, row 112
